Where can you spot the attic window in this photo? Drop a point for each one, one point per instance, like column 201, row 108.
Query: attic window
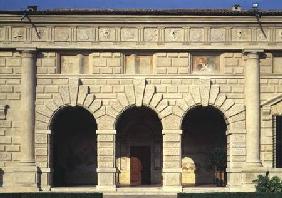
column 74, row 64
column 139, row 64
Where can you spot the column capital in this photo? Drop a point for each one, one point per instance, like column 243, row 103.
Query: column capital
column 253, row 53
column 27, row 52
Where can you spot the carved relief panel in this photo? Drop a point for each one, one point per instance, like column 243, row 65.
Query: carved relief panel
column 217, row 35
column 106, row 34
column 262, row 36
column 39, row 34
column 84, row 34
column 174, row 34
column 62, row 34
column 241, row 34
column 196, row 34
column 129, row 34
column 151, row 34
column 18, row 34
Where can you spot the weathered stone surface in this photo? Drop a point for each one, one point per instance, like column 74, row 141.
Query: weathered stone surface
column 139, row 61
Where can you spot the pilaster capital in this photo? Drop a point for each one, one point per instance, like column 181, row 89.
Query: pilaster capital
column 27, row 52
column 253, row 53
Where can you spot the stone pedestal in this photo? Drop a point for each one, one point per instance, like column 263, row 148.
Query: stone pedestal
column 252, row 101
column 106, row 160
column 172, row 160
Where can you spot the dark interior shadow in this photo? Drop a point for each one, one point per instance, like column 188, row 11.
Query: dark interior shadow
column 74, row 145
column 204, row 132
column 1, row 177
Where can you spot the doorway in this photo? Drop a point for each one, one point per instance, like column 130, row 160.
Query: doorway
column 139, row 148
column 140, row 165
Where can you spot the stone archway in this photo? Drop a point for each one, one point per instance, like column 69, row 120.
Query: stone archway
column 203, row 93
column 74, row 145
column 71, row 95
column 204, row 147
column 139, row 147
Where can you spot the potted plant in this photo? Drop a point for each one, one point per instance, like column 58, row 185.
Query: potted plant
column 217, row 161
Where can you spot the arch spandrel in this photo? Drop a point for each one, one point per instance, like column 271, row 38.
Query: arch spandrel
column 72, row 94
column 209, row 95
column 139, row 94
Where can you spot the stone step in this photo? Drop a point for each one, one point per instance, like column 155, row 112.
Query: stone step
column 140, row 196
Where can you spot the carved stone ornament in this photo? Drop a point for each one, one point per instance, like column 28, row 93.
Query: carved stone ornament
column 241, row 34
column 18, row 34
column 105, row 34
column 83, row 34
column 151, row 34
column 62, row 34
column 196, row 34
column 129, row 34
column 174, row 34
column 217, row 34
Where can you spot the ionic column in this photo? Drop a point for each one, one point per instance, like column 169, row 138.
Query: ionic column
column 106, row 160
column 252, row 101
column 172, row 160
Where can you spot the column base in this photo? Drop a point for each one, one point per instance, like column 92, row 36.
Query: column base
column 172, row 179
column 26, row 177
column 106, row 179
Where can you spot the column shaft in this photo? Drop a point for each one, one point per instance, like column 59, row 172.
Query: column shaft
column 28, row 87
column 252, row 100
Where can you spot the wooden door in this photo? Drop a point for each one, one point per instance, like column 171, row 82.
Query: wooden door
column 140, row 165
column 135, row 171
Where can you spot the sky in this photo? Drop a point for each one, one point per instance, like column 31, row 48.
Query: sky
column 152, row 4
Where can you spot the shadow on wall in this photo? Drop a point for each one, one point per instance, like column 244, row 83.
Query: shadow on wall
column 1, row 177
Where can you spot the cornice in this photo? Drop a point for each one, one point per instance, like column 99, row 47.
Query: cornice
column 132, row 19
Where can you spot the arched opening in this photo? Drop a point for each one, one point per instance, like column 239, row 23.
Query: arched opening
column 204, row 147
column 139, row 147
column 74, row 147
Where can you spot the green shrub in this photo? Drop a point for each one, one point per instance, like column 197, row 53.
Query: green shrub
column 266, row 184
column 230, row 195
